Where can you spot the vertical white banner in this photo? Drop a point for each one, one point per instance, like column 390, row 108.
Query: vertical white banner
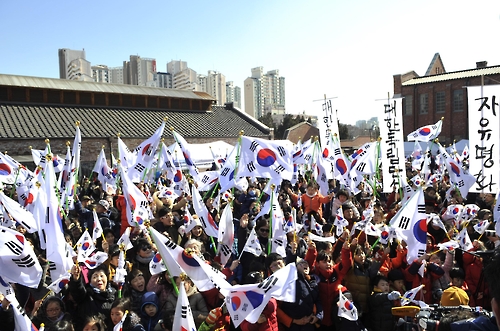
column 392, row 144
column 484, row 137
column 327, row 123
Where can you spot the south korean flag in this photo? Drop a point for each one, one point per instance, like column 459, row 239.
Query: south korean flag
column 264, row 158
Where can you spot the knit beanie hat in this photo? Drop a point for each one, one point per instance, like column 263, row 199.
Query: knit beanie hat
column 454, row 296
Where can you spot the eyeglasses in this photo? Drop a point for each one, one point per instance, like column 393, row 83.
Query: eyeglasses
column 263, row 230
column 145, row 248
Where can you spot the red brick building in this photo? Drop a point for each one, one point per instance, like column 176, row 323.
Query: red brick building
column 441, row 94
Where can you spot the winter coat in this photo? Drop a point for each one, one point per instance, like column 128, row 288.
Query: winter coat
column 413, row 279
column 196, row 302
column 358, row 282
column 149, row 322
column 90, row 301
column 473, row 266
column 271, row 323
column 381, row 318
column 313, row 203
column 329, row 280
column 306, row 304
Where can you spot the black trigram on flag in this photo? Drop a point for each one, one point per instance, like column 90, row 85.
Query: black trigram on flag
column 224, row 172
column 251, row 167
column 184, row 311
column 139, row 167
column 404, row 222
column 281, row 151
column 253, row 146
column 421, row 209
column 224, row 249
column 14, row 247
column 170, row 244
column 279, row 169
column 268, row 284
column 25, row 262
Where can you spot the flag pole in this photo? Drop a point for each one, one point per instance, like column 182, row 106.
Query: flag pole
column 270, row 236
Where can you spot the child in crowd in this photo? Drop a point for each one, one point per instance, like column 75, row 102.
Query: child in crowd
column 380, row 305
column 150, row 312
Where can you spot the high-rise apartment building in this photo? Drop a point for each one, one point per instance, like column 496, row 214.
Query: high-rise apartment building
column 163, row 79
column 216, row 86
column 186, row 80
column 233, row 94
column 139, row 71
column 174, row 66
column 116, row 75
column 73, row 65
column 101, row 74
column 264, row 93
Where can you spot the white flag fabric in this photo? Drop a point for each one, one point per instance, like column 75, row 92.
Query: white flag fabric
column 463, row 240
column 365, row 161
column 246, row 302
column 453, row 212
column 137, row 204
column 314, row 237
column 19, row 213
column 184, row 146
column 481, row 226
column 340, row 222
column 226, row 234
column 77, row 148
column 126, row 157
column 253, row 245
column 144, row 155
column 227, row 173
column 119, row 325
column 96, row 259
column 104, row 173
column 207, row 222
column 177, row 261
column 409, row 296
column 57, row 285
column 264, row 158
column 8, row 169
column 125, row 239
column 459, row 179
column 183, row 320
column 207, row 180
column 97, row 231
column 449, row 245
column 166, row 161
column 85, row 246
column 55, row 242
column 426, row 133
column 347, row 309
column 18, row 262
column 121, row 272
column 372, row 230
column 411, row 219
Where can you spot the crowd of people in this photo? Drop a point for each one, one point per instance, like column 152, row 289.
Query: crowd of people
column 372, row 275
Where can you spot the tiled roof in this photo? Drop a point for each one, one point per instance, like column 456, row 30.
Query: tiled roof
column 73, row 85
column 453, row 75
column 46, row 121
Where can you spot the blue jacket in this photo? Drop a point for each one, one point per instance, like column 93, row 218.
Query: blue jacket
column 149, row 322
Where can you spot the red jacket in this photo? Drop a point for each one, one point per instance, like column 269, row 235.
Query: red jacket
column 473, row 266
column 329, row 281
column 413, row 278
column 271, row 323
column 312, row 203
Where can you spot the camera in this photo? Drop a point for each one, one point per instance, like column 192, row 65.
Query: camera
column 490, row 233
column 460, row 318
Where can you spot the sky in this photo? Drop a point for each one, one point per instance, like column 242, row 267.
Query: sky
column 346, row 50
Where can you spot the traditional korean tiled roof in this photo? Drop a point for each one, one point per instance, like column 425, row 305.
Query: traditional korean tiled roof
column 22, row 120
